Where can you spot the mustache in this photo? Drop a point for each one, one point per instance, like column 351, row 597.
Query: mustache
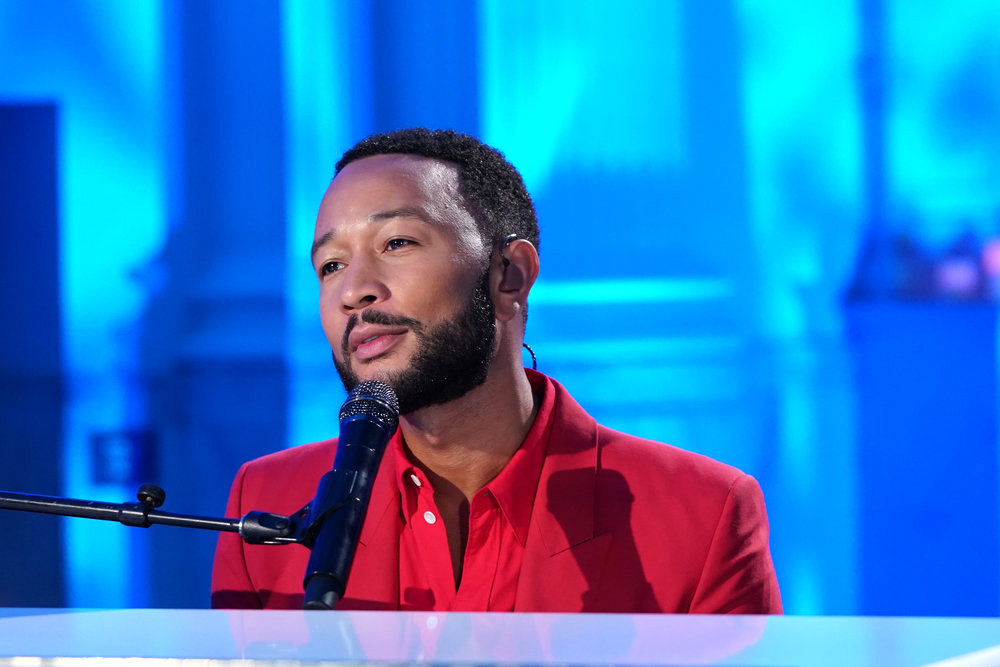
column 377, row 317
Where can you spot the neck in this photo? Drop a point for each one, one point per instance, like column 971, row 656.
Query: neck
column 465, row 443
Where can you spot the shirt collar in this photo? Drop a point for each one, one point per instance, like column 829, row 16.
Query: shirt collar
column 515, row 487
column 407, row 475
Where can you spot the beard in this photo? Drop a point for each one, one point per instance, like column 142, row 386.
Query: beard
column 451, row 359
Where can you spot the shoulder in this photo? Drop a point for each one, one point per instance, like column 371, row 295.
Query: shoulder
column 664, row 486
column 669, row 470
column 295, row 458
column 659, row 496
column 284, row 480
column 693, row 528
column 654, row 478
column 678, row 470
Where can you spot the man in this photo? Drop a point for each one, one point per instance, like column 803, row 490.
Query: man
column 497, row 492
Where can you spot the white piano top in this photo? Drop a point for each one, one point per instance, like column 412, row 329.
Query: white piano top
column 151, row 636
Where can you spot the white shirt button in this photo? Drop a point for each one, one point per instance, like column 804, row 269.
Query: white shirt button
column 429, row 517
column 416, row 480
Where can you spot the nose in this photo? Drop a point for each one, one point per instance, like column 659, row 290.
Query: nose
column 361, row 286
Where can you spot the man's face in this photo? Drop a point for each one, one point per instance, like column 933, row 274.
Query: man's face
column 404, row 291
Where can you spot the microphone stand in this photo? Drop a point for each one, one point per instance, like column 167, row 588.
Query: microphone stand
column 368, row 419
column 254, row 528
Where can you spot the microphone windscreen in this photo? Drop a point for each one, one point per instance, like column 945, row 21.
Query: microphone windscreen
column 373, row 399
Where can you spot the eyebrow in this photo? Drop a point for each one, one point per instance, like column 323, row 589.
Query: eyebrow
column 380, row 216
column 405, row 212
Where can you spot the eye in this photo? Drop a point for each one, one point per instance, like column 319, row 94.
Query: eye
column 396, row 244
column 327, row 268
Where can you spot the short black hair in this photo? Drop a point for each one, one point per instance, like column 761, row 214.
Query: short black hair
column 492, row 188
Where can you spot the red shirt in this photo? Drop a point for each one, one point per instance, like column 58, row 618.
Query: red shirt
column 498, row 527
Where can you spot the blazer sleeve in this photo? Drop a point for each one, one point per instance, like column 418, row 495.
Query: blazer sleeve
column 738, row 576
column 232, row 587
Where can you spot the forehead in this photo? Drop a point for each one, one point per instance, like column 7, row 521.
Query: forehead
column 412, row 174
column 378, row 184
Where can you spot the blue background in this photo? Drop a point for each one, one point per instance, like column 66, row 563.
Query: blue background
column 768, row 235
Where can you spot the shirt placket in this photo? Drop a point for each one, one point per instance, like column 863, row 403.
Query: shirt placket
column 432, row 544
column 481, row 554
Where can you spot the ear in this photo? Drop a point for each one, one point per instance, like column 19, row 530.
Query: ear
column 517, row 266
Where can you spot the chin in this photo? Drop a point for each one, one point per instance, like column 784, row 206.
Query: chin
column 378, row 369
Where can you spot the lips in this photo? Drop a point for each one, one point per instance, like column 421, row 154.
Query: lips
column 370, row 341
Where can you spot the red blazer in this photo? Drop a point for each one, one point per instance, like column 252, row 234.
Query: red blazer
column 619, row 524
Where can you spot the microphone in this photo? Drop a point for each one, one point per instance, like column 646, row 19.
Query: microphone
column 368, row 418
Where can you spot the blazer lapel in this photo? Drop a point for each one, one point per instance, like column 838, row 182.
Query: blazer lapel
column 564, row 558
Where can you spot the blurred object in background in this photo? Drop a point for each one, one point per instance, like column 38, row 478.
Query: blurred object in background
column 903, row 268
column 959, row 272
column 893, row 268
column 991, row 263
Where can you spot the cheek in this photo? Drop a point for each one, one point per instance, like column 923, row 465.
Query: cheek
column 450, row 287
column 437, row 303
